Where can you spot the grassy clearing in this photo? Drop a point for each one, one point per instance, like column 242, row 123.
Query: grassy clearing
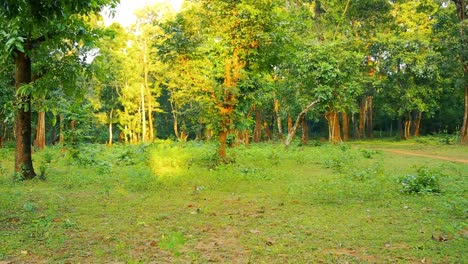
column 170, row 202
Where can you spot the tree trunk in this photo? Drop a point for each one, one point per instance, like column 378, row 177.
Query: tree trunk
column 345, row 119
column 461, row 13
column 290, row 124
column 257, row 137
column 464, row 130
column 305, row 131
column 407, row 127
column 72, row 131
column 143, row 114
column 370, row 119
column 334, row 131
column 362, row 117
column 293, row 130
column 61, row 130
column 266, row 126
column 417, row 124
column 278, row 119
column 39, row 141
column 110, row 127
column 23, row 130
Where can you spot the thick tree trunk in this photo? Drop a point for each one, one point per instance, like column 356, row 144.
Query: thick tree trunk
column 257, row 136
column 23, row 156
column 290, row 124
column 407, row 127
column 345, row 119
column 334, row 131
column 417, row 124
column 40, row 140
column 305, row 130
column 293, row 130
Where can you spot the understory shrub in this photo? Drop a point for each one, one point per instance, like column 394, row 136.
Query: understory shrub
column 425, row 181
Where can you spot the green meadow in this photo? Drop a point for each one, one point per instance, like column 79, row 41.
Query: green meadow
column 171, row 202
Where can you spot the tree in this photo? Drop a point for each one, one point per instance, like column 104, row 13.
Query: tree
column 29, row 27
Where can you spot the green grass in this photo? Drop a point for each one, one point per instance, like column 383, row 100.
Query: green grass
column 173, row 203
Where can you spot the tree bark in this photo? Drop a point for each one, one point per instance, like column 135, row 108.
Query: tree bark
column 461, row 13
column 290, row 124
column 40, row 141
column 407, row 127
column 143, row 114
column 362, row 117
column 417, row 124
column 334, row 131
column 278, row 119
column 345, row 119
column 305, row 131
column 293, row 130
column 257, row 137
column 61, row 130
column 23, row 156
column 464, row 130
column 110, row 127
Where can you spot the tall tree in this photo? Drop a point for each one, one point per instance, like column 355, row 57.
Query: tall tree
column 28, row 26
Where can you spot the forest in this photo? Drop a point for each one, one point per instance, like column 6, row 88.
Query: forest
column 273, row 108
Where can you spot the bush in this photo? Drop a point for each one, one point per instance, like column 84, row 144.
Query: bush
column 426, row 181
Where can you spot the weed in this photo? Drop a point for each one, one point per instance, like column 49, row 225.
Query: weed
column 172, row 242
column 425, row 181
column 369, row 153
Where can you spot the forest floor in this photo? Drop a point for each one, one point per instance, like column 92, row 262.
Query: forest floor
column 422, row 154
column 174, row 203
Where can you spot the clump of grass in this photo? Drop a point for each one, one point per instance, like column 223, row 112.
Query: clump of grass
column 425, row 181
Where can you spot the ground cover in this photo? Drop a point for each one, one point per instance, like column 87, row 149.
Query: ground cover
column 174, row 203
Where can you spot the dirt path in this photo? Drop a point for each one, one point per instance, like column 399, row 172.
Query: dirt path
column 425, row 155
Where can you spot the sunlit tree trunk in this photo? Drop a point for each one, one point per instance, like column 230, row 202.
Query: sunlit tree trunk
column 23, row 130
column 278, row 119
column 345, row 119
column 290, row 123
column 110, row 128
column 143, row 114
column 293, row 130
column 334, row 131
column 148, row 92
column 232, row 74
column 40, row 140
column 407, row 126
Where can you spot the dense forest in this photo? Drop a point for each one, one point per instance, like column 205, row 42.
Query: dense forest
column 231, row 71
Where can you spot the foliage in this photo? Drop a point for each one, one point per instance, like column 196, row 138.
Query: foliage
column 424, row 182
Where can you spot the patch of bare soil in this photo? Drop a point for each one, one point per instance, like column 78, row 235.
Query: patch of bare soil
column 419, row 154
column 222, row 246
column 356, row 253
